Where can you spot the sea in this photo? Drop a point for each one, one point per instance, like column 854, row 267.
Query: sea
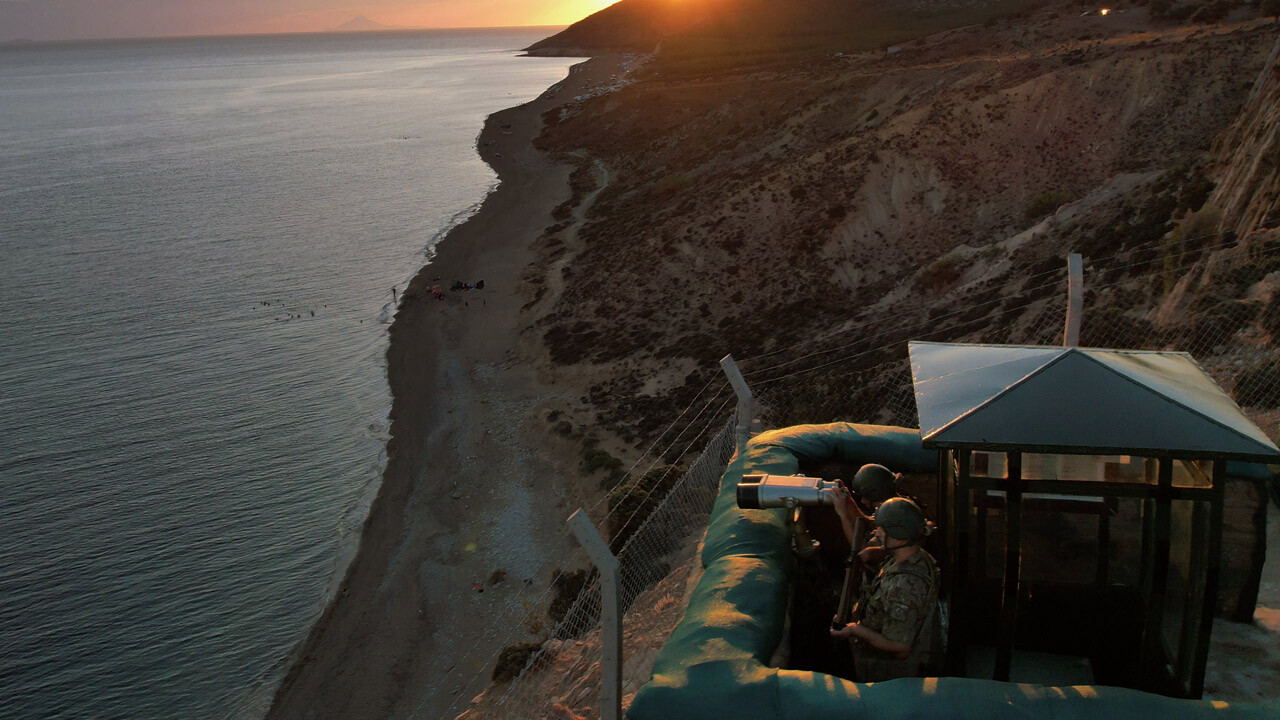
column 201, row 241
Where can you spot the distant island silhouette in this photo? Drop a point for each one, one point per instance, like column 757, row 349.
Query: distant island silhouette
column 361, row 23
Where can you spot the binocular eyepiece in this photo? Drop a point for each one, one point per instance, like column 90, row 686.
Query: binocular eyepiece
column 756, row 492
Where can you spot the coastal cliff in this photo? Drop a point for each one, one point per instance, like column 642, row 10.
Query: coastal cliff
column 747, row 206
column 659, row 211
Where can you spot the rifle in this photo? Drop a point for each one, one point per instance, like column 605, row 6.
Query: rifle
column 852, row 576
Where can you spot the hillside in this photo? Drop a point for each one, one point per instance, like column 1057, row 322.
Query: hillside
column 632, row 26
column 750, row 201
column 857, row 173
column 755, row 29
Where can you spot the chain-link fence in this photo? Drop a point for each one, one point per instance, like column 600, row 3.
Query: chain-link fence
column 1214, row 302
column 651, row 514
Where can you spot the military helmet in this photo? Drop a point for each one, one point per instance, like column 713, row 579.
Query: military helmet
column 901, row 520
column 876, row 483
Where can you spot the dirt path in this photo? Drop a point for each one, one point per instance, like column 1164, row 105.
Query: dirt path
column 572, row 242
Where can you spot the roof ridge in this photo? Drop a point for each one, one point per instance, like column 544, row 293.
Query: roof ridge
column 1066, row 351
column 1181, row 404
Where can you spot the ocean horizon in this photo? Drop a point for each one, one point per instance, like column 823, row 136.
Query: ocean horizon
column 203, row 239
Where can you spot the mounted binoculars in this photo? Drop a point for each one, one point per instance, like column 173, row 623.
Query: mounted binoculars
column 756, row 492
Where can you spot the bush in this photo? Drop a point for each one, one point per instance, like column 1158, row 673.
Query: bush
column 1211, row 12
column 1111, row 328
column 566, row 588
column 1270, row 8
column 634, row 500
column 672, row 185
column 1259, row 385
column 1271, row 319
column 512, row 661
column 594, row 459
column 939, row 274
column 1046, row 202
column 1217, row 321
column 1198, row 229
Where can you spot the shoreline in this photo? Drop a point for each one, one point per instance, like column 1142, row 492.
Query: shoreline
column 463, row 429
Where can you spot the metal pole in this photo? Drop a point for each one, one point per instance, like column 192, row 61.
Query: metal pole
column 957, row 640
column 610, row 614
column 1011, row 590
column 1213, row 566
column 747, row 424
column 1152, row 663
column 1075, row 299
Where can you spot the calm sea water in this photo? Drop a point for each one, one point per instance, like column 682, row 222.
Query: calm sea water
column 198, row 242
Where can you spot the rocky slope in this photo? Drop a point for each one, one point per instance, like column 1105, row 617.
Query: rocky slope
column 747, row 210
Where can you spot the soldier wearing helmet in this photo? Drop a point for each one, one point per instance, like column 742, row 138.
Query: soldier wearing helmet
column 886, row 632
column 872, row 485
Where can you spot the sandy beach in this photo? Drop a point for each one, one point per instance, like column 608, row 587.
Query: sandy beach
column 475, row 482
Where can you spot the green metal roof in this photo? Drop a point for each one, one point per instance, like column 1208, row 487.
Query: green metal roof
column 1078, row 400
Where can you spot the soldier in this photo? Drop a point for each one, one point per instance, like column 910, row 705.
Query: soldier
column 873, row 484
column 892, row 621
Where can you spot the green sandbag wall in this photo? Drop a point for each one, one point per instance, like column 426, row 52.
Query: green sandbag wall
column 714, row 663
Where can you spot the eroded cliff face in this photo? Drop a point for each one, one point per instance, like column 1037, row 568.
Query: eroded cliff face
column 1248, row 157
column 744, row 211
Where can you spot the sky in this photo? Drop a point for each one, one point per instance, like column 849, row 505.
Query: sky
column 80, row 19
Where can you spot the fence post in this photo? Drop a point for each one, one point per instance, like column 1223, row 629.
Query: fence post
column 747, row 424
column 610, row 615
column 1075, row 299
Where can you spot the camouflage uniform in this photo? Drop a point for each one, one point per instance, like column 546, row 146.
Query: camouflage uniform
column 899, row 604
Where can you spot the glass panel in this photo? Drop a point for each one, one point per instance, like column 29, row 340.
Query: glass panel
column 1042, row 466
column 1181, row 622
column 1191, row 473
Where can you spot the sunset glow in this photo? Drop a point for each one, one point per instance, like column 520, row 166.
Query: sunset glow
column 128, row 18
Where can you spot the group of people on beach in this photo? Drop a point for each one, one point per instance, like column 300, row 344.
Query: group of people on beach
column 438, row 292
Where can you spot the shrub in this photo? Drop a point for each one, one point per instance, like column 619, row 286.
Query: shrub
column 672, row 185
column 594, row 459
column 1217, row 322
column 512, row 661
column 1111, row 328
column 1271, row 319
column 566, row 587
column 1259, row 385
column 939, row 274
column 1198, row 229
column 634, row 500
column 564, row 427
column 1046, row 202
column 1270, row 8
column 1211, row 12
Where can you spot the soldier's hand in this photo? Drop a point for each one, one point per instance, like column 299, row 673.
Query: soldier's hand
column 839, row 498
column 842, row 632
